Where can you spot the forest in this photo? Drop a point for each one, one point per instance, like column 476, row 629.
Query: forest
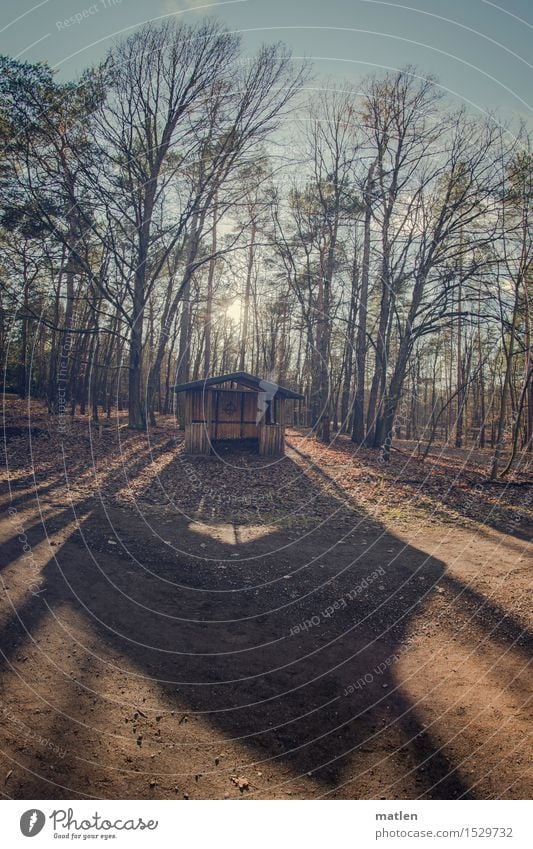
column 267, row 425
column 182, row 210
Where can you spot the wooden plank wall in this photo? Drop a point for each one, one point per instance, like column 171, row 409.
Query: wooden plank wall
column 249, row 429
column 234, row 415
column 198, row 406
column 201, row 404
column 197, row 438
column 227, row 414
column 271, row 440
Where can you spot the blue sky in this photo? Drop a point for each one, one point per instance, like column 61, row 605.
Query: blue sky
column 481, row 51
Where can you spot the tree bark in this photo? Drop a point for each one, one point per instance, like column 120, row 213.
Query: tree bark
column 358, row 431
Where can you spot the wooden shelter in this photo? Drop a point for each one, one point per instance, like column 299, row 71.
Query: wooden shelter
column 235, row 406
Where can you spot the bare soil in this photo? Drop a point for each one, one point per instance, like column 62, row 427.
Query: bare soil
column 321, row 626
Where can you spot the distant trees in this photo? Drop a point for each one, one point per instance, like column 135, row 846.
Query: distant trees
column 178, row 113
column 515, row 243
column 161, row 219
column 180, row 116
column 427, row 189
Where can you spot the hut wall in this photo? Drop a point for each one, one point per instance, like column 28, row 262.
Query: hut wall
column 197, row 438
column 198, row 407
column 201, row 404
column 271, row 440
column 249, row 429
column 234, row 415
column 227, row 414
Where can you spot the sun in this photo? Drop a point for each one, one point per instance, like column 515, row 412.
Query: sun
column 233, row 310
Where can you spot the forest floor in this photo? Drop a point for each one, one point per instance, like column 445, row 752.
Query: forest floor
column 319, row 626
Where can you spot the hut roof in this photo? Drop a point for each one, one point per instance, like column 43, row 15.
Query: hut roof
column 251, row 381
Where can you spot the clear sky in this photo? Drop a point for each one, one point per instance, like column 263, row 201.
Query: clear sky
column 481, row 51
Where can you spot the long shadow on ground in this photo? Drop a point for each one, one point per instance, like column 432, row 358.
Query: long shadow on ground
column 280, row 630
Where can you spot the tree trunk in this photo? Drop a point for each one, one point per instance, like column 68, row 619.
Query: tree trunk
column 358, row 431
column 136, row 409
column 460, row 370
column 500, row 432
column 209, row 301
column 247, row 293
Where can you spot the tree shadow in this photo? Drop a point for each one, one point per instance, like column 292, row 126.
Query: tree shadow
column 282, row 634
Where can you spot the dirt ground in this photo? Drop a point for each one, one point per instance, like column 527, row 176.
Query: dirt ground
column 319, row 626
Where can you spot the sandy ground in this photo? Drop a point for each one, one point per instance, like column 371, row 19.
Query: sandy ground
column 232, row 628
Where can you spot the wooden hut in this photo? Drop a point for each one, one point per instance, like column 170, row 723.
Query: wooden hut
column 235, row 406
